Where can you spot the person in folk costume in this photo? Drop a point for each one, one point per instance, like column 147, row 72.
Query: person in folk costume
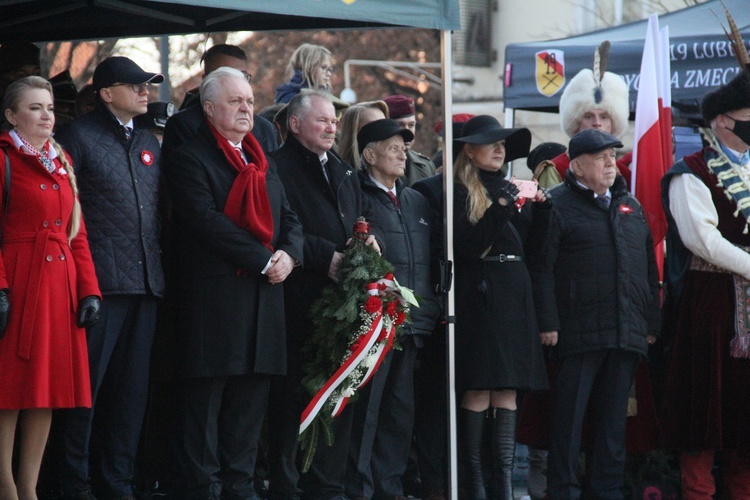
column 595, row 99
column 706, row 199
column 498, row 350
column 48, row 286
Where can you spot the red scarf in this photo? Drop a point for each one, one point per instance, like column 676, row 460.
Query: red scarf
column 247, row 203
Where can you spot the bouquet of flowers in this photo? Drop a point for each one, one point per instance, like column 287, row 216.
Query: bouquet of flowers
column 356, row 324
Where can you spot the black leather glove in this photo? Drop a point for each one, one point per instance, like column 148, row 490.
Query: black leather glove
column 4, row 310
column 88, row 311
column 508, row 195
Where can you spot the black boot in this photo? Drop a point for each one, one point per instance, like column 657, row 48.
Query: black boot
column 472, row 430
column 503, row 452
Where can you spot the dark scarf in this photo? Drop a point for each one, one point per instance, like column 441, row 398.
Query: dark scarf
column 247, row 203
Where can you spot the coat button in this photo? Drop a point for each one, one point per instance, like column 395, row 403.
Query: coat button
column 55, row 187
column 49, row 258
column 62, row 256
column 43, row 186
column 45, row 224
column 58, row 223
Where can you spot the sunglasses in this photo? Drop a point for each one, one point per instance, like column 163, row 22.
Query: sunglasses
column 135, row 87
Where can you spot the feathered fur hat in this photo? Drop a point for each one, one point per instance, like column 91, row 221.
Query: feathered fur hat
column 597, row 89
column 735, row 94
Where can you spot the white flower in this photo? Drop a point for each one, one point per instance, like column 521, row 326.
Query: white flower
column 370, row 361
column 348, row 392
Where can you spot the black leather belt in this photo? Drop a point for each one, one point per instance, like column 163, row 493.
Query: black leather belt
column 503, row 258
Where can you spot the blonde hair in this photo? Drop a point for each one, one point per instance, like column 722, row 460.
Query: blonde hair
column 307, row 58
column 348, row 148
column 13, row 95
column 466, row 174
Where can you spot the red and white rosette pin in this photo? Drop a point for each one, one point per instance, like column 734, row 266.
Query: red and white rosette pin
column 147, row 157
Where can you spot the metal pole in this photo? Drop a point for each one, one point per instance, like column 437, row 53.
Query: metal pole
column 446, row 61
column 165, row 89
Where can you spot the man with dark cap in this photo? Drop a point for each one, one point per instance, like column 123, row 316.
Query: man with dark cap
column 65, row 93
column 596, row 289
column 541, row 166
column 118, row 169
column 707, row 393
column 384, row 415
column 183, row 126
column 402, row 110
column 17, row 60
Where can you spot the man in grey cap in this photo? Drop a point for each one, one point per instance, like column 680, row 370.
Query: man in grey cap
column 596, row 289
column 118, row 170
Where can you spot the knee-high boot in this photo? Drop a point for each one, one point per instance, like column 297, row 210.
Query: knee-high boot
column 472, row 430
column 503, row 452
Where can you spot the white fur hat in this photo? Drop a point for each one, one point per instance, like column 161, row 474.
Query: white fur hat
column 580, row 96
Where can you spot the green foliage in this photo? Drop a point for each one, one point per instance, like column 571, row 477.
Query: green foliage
column 336, row 318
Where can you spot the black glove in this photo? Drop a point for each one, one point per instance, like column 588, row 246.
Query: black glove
column 4, row 310
column 547, row 203
column 88, row 311
column 508, row 195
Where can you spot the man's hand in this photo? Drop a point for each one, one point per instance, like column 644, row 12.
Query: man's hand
column 650, row 339
column 372, row 241
column 334, row 267
column 549, row 338
column 281, row 265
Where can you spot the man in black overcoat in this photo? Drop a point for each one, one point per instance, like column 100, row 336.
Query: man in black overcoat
column 235, row 241
column 325, row 193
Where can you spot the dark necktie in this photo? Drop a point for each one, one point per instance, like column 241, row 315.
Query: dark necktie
column 603, row 202
column 127, row 132
column 393, row 198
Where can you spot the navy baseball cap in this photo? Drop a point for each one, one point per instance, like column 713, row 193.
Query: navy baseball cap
column 122, row 70
column 591, row 141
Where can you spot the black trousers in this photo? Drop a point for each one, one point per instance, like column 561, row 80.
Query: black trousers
column 601, row 379
column 382, row 428
column 119, row 348
column 220, row 420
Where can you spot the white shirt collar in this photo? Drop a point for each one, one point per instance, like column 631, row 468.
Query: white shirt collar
column 606, row 195
column 382, row 186
column 20, row 146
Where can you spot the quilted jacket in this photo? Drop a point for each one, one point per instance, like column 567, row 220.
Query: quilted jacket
column 118, row 184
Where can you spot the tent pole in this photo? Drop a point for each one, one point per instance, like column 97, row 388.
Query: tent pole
column 446, row 60
column 510, row 118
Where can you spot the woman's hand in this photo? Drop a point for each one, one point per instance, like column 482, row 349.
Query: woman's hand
column 508, row 195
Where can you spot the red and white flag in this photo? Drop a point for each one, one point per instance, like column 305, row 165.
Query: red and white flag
column 652, row 151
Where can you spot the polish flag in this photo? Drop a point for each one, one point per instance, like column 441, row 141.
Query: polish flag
column 652, row 151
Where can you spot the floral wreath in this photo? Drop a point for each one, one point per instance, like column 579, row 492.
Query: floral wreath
column 356, row 323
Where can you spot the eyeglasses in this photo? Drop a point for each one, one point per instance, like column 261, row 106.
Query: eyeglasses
column 247, row 76
column 328, row 70
column 135, row 87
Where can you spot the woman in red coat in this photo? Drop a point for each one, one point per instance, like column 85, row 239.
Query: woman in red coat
column 48, row 288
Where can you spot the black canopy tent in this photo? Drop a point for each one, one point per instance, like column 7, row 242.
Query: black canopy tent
column 54, row 20
column 701, row 58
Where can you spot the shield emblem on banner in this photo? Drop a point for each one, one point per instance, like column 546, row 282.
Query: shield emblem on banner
column 550, row 71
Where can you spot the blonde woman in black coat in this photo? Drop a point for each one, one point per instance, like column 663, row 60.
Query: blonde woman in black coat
column 498, row 350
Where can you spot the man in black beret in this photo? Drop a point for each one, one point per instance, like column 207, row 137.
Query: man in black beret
column 707, row 394
column 384, row 415
column 596, row 289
